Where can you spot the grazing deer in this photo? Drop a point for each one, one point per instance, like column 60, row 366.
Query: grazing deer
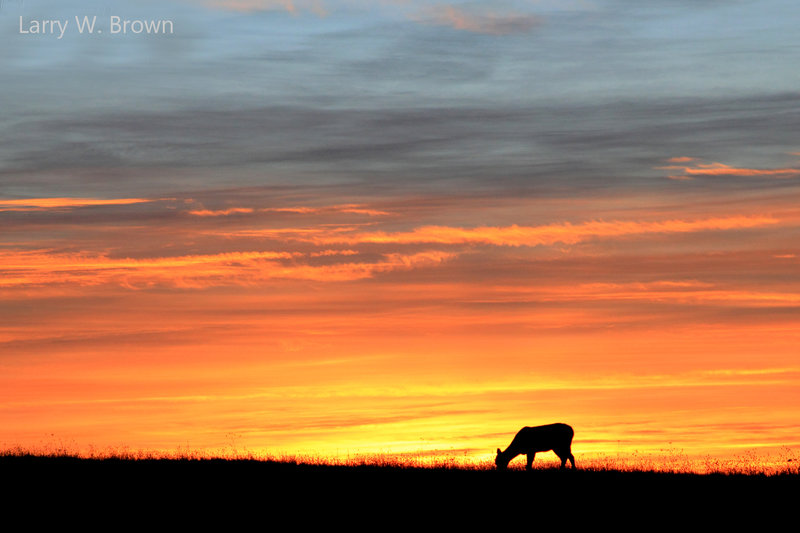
column 529, row 440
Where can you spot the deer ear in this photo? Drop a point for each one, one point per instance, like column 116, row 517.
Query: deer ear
column 498, row 450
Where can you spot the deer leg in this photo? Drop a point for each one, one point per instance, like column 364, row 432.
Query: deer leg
column 531, row 456
column 563, row 456
column 566, row 455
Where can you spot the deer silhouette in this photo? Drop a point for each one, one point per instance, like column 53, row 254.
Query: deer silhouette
column 530, row 440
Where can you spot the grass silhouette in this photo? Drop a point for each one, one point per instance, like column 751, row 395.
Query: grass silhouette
column 376, row 488
column 667, row 461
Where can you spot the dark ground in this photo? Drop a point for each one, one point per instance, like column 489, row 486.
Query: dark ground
column 270, row 495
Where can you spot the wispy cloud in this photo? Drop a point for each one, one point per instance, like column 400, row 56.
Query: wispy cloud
column 290, row 6
column 220, row 212
column 491, row 23
column 346, row 208
column 514, row 235
column 694, row 292
column 326, row 253
column 720, row 169
column 43, row 267
column 41, row 204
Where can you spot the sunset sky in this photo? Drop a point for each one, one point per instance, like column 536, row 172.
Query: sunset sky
column 344, row 226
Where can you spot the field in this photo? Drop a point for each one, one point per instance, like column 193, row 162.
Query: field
column 179, row 488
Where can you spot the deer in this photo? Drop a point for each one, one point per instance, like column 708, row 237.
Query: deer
column 530, row 440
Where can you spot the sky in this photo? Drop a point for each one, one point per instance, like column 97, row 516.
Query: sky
column 334, row 227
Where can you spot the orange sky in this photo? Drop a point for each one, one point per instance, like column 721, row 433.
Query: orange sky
column 338, row 227
column 389, row 325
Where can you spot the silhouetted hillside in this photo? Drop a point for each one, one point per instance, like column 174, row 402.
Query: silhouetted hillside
column 172, row 487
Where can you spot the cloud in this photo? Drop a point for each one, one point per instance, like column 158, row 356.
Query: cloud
column 44, row 267
column 346, row 208
column 41, row 204
column 513, row 235
column 684, row 292
column 461, row 143
column 720, row 169
column 300, row 210
column 325, row 253
column 290, row 6
column 489, row 23
column 220, row 212
column 360, row 210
